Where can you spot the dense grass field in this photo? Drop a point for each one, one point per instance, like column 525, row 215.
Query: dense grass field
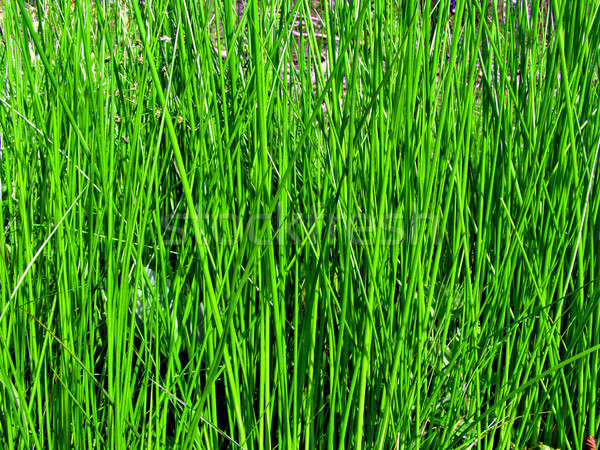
column 338, row 224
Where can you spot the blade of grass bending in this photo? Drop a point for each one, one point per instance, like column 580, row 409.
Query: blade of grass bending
column 51, row 76
column 39, row 251
column 200, row 239
column 585, row 208
column 46, row 138
column 80, row 364
column 524, row 387
column 190, row 204
column 183, row 404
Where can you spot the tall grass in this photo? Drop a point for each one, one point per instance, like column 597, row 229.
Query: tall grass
column 383, row 216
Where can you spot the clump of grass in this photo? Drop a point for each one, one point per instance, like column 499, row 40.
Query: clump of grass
column 387, row 225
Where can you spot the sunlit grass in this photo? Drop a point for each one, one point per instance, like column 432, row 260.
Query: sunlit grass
column 344, row 225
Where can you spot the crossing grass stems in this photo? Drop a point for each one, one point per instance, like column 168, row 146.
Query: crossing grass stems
column 389, row 238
